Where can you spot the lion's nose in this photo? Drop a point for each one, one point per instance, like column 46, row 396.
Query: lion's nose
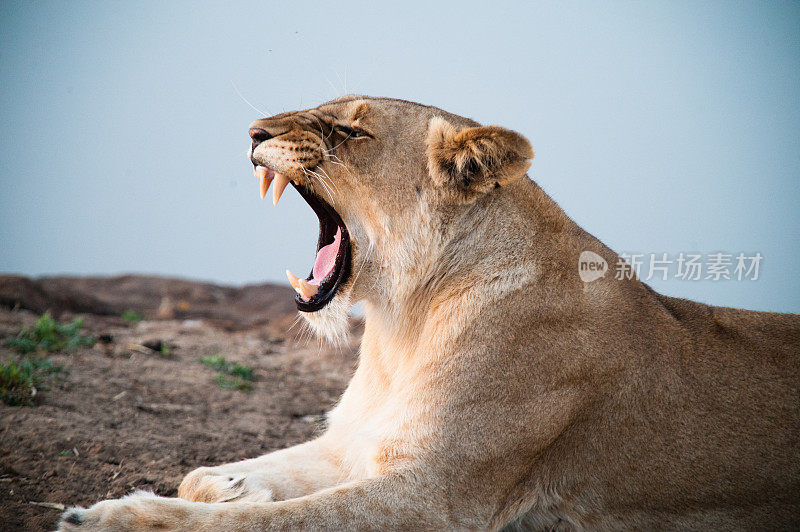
column 259, row 135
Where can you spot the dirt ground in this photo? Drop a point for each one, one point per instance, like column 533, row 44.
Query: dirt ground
column 124, row 417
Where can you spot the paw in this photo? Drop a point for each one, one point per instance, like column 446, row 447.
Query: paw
column 114, row 514
column 208, row 484
column 137, row 512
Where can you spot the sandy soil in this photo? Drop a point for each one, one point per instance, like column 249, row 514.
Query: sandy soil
column 124, row 417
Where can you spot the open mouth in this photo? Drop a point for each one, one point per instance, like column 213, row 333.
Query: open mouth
column 332, row 263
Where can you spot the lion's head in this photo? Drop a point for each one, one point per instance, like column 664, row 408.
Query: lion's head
column 388, row 180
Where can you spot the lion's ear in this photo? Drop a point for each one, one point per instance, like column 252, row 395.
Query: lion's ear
column 476, row 159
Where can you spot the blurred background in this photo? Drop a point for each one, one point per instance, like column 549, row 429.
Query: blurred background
column 660, row 127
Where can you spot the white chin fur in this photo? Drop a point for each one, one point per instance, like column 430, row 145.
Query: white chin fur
column 331, row 323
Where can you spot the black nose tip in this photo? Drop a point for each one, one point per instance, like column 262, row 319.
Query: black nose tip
column 259, row 135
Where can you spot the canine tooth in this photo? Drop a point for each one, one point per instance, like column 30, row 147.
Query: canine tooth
column 280, row 185
column 308, row 290
column 301, row 286
column 294, row 281
column 260, row 171
column 264, row 186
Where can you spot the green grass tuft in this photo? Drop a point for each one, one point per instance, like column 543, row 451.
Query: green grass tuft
column 233, row 376
column 20, row 380
column 131, row 316
column 49, row 335
column 233, row 382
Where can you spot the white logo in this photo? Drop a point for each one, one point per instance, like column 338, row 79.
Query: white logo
column 591, row 266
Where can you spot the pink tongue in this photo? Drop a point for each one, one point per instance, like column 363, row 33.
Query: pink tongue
column 326, row 259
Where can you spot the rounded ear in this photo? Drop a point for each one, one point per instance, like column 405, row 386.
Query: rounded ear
column 475, row 159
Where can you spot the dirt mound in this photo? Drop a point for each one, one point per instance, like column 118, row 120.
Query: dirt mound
column 153, row 297
column 126, row 416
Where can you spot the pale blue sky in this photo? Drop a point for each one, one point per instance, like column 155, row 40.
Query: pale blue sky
column 659, row 127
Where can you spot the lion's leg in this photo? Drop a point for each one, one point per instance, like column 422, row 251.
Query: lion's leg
column 380, row 503
column 280, row 475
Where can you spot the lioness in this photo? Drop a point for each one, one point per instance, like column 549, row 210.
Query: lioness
column 495, row 388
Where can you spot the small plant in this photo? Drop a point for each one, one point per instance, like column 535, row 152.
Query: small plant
column 233, row 376
column 219, row 363
column 49, row 335
column 20, row 380
column 233, row 382
column 131, row 316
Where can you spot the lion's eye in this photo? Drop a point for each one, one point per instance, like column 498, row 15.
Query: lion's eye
column 351, row 133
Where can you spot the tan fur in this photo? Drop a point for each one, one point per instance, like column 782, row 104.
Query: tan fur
column 495, row 388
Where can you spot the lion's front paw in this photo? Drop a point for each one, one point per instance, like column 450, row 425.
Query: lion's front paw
column 208, row 484
column 138, row 512
column 113, row 514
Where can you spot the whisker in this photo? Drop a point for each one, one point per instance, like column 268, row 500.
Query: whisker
column 245, row 100
column 322, row 182
column 345, row 140
column 294, row 323
column 307, row 174
column 335, row 92
column 304, row 333
column 330, row 180
column 333, row 185
column 319, row 176
column 332, row 156
column 322, row 129
column 340, row 80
